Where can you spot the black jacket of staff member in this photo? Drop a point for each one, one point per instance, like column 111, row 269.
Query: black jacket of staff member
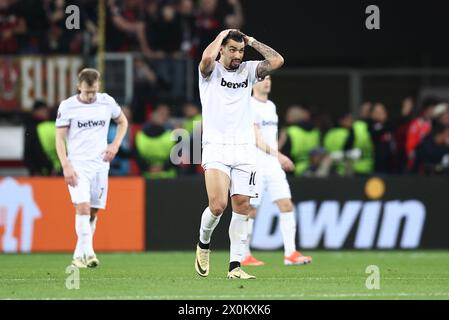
column 381, row 131
column 432, row 154
column 35, row 158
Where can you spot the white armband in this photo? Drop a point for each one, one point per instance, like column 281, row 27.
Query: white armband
column 251, row 41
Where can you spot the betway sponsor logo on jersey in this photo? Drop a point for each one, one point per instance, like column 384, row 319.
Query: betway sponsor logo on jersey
column 91, row 124
column 269, row 123
column 234, row 85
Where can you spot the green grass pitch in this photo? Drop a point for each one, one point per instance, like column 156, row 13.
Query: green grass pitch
column 171, row 276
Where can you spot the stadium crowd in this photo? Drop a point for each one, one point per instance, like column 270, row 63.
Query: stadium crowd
column 158, row 28
column 164, row 32
column 373, row 143
column 160, row 33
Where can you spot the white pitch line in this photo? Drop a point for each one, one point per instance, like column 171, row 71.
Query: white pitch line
column 222, row 279
column 260, row 296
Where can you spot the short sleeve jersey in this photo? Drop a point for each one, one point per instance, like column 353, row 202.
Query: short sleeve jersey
column 225, row 99
column 266, row 118
column 88, row 125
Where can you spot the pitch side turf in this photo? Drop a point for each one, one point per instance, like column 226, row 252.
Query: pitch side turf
column 171, row 275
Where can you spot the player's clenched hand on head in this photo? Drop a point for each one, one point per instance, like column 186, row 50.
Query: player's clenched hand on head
column 224, row 33
column 70, row 176
column 110, row 152
column 248, row 40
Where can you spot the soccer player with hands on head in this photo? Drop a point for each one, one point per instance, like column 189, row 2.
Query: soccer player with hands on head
column 229, row 143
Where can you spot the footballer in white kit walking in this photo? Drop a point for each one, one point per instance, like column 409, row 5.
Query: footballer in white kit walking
column 88, row 125
column 272, row 180
column 83, row 123
column 229, row 140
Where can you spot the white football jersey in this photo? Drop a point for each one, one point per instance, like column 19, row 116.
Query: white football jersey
column 225, row 96
column 88, row 125
column 266, row 118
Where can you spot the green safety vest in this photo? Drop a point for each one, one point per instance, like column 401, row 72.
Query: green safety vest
column 156, row 150
column 362, row 141
column 188, row 124
column 46, row 132
column 302, row 142
column 335, row 140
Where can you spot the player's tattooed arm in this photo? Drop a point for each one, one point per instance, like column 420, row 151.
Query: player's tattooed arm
column 273, row 60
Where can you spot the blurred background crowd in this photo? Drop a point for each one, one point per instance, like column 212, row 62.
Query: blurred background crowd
column 166, row 37
column 415, row 143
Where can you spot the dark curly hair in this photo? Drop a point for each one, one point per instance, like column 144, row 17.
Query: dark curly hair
column 233, row 35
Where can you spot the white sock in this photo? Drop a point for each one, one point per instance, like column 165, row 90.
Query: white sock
column 208, row 224
column 84, row 233
column 288, row 230
column 78, row 249
column 238, row 234
column 250, row 233
column 93, row 225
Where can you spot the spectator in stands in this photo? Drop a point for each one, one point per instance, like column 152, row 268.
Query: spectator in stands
column 214, row 16
column 46, row 131
column 61, row 39
column 293, row 115
column 36, row 160
column 192, row 124
column 440, row 114
column 350, row 145
column 120, row 165
column 171, row 29
column 419, row 128
column 89, row 23
column 233, row 14
column 323, row 121
column 161, row 42
column 146, row 88
column 188, row 26
column 163, row 111
column 336, row 143
column 124, row 23
column 381, row 131
column 208, row 23
column 149, row 35
column 153, row 146
column 302, row 137
column 432, row 154
column 365, row 110
column 12, row 25
column 400, row 134
column 172, row 68
column 38, row 25
column 320, row 164
column 360, row 140
column 192, row 116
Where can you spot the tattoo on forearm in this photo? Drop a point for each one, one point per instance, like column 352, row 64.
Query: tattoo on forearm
column 265, row 68
column 265, row 50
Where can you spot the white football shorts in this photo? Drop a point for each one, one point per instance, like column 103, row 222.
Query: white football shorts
column 272, row 182
column 92, row 187
column 237, row 162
